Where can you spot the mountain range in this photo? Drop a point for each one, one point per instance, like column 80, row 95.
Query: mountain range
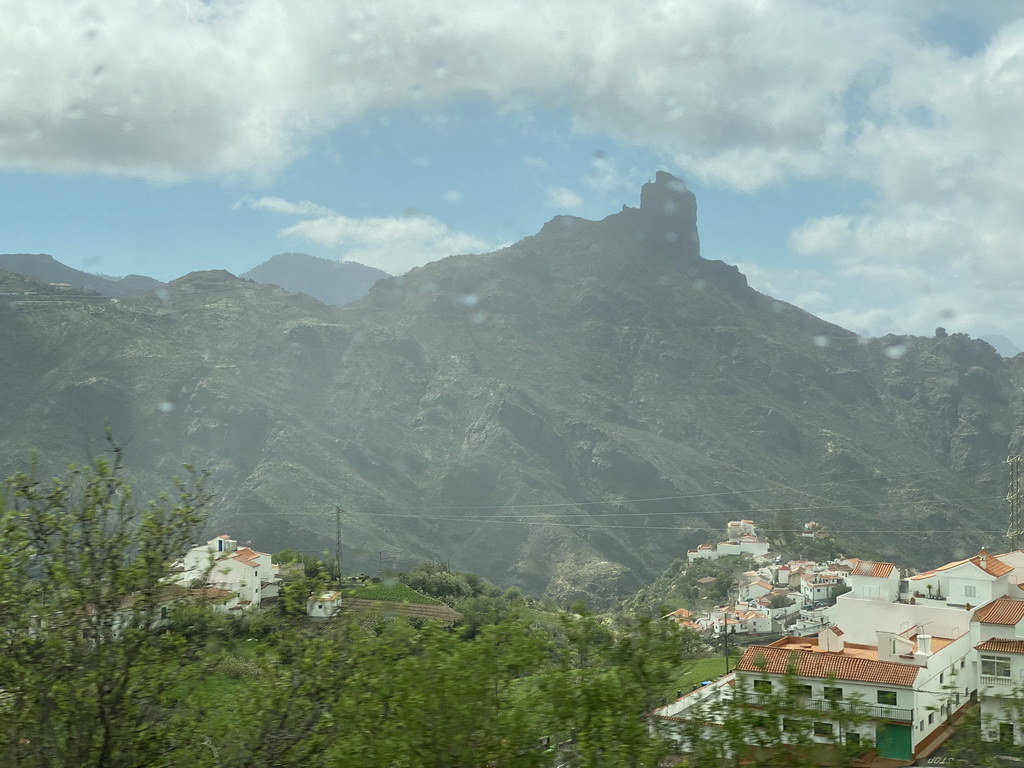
column 568, row 414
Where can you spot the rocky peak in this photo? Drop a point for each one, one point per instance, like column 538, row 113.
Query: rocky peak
column 669, row 214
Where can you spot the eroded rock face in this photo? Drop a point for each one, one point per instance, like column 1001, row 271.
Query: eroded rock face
column 669, row 214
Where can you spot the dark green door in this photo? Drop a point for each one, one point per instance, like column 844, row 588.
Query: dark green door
column 894, row 741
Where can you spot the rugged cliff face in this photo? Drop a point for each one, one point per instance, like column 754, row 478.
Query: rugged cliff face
column 568, row 414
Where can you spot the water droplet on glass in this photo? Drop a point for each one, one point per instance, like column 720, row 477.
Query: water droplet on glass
column 166, row 406
column 895, row 351
column 163, row 294
column 469, row 299
column 822, row 341
column 479, row 317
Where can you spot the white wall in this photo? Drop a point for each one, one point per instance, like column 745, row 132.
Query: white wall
column 860, row 618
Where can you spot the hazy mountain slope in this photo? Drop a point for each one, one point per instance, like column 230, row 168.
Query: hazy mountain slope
column 570, row 413
column 332, row 282
column 46, row 269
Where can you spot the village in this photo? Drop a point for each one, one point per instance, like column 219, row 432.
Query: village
column 913, row 651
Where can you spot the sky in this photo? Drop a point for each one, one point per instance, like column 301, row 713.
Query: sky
column 858, row 158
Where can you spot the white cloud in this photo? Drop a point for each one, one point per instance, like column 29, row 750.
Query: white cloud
column 278, row 205
column 825, row 235
column 742, row 91
column 563, row 199
column 393, row 244
column 940, row 243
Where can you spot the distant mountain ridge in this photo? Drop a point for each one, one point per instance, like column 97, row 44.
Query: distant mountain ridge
column 46, row 269
column 332, row 282
column 569, row 414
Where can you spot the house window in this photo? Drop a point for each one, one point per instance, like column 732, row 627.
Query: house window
column 762, row 686
column 942, row 677
column 853, row 739
column 163, row 611
column 833, row 694
column 823, row 729
column 887, row 697
column 970, row 591
column 995, row 666
column 804, row 690
column 789, row 724
column 931, row 718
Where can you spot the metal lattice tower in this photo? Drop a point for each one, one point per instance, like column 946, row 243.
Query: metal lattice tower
column 337, row 542
column 1014, row 497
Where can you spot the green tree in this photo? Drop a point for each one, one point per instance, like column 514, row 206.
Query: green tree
column 85, row 658
column 785, row 531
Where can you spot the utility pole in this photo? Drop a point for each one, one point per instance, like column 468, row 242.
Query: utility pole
column 337, row 542
column 1014, row 497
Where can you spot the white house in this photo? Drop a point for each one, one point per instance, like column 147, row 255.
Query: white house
column 816, row 587
column 221, row 563
column 904, row 694
column 997, row 635
column 874, row 581
column 741, row 539
column 754, row 589
column 324, row 605
column 973, row 582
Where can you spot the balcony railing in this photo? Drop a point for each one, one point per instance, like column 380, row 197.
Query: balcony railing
column 875, row 711
column 998, row 681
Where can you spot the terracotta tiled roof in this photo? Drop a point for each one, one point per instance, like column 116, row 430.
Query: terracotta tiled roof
column 993, row 565
column 246, row 556
column 875, row 570
column 1002, row 646
column 1002, row 611
column 679, row 613
column 825, row 664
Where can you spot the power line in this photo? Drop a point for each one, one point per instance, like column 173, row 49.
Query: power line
column 407, row 512
column 685, row 497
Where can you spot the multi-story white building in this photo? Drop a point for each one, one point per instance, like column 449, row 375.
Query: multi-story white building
column 906, row 686
column 221, row 563
column 997, row 636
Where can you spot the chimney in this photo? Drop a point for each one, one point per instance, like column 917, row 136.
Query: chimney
column 983, row 559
